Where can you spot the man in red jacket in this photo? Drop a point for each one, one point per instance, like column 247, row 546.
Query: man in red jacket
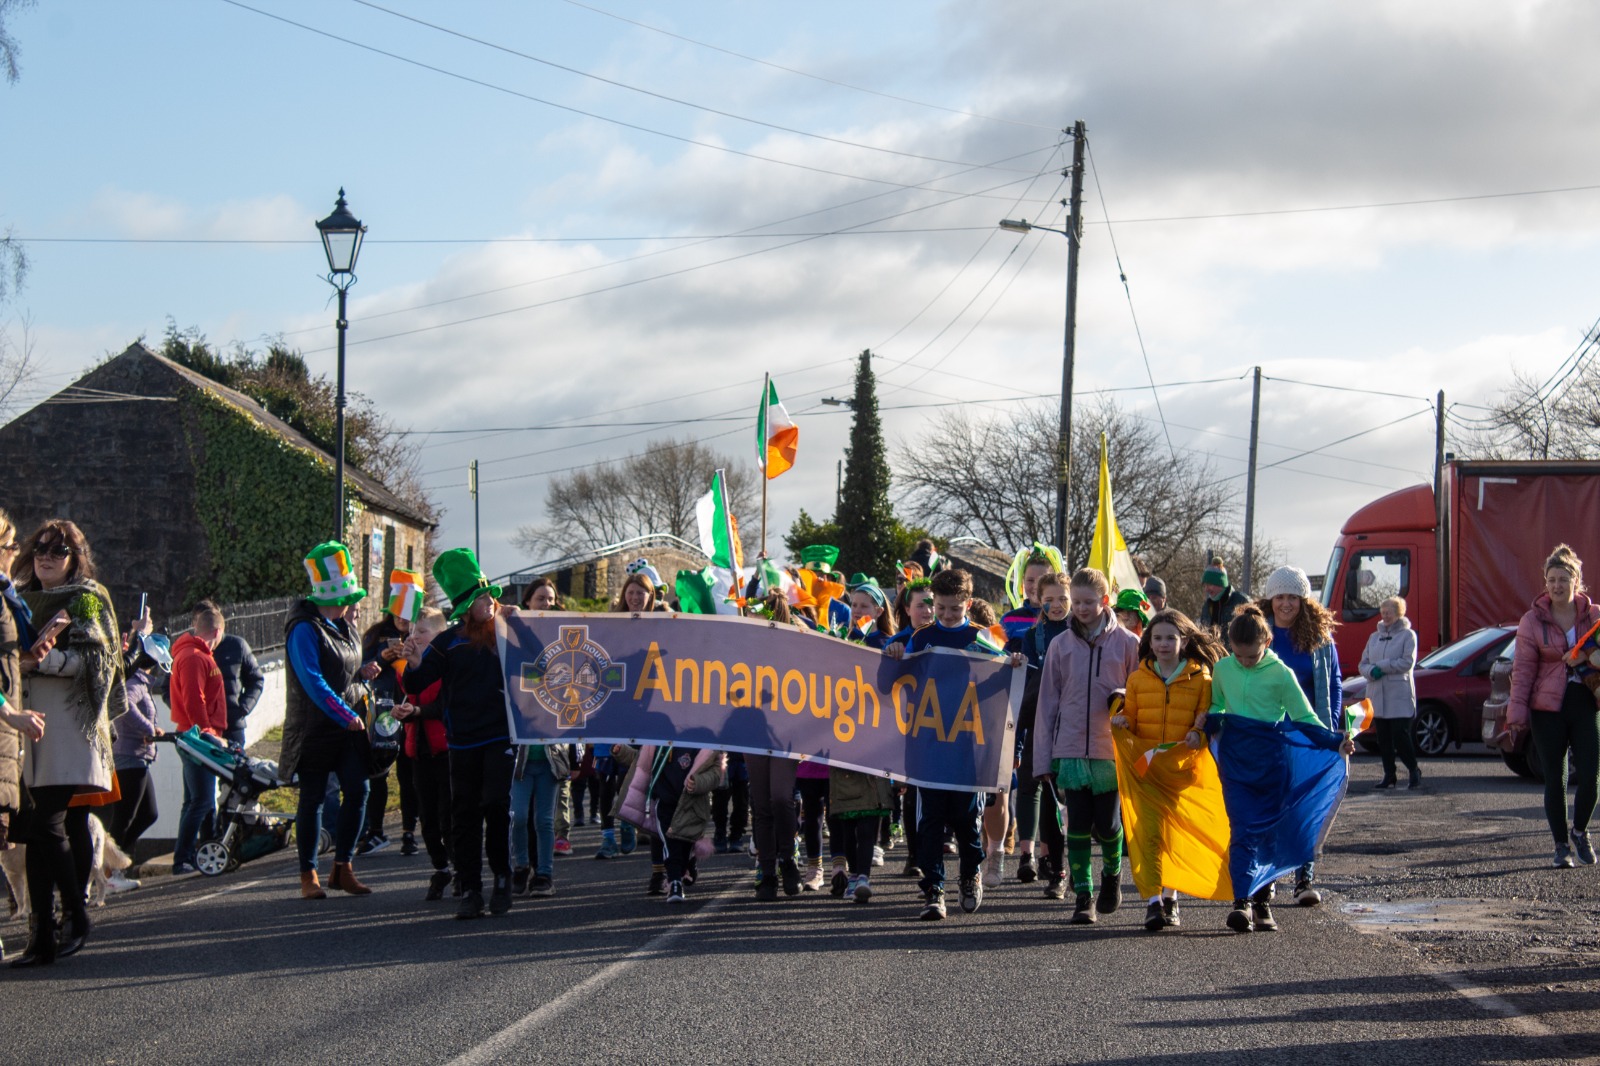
column 196, row 698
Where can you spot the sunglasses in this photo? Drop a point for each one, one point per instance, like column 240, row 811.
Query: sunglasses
column 56, row 551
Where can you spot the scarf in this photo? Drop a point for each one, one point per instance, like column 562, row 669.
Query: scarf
column 93, row 635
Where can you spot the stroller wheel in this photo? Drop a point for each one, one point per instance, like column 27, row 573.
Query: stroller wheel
column 212, row 858
column 324, row 842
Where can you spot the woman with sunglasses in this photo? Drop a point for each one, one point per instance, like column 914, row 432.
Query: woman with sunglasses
column 75, row 680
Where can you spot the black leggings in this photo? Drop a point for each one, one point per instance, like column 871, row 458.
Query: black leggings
column 409, row 799
column 669, row 850
column 609, row 783
column 136, row 810
column 430, row 775
column 813, row 798
column 50, row 865
column 1394, row 739
column 730, row 808
column 1575, row 727
column 853, row 838
column 772, row 807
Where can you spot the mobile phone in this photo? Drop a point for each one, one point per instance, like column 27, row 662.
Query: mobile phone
column 144, row 604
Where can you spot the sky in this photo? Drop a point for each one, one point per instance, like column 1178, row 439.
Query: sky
column 584, row 216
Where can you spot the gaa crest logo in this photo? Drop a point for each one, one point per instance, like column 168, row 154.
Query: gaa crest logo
column 573, row 677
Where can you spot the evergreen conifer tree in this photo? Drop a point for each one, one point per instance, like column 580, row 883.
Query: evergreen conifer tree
column 865, row 521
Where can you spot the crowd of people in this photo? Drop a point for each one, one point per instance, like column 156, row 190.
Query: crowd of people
column 78, row 723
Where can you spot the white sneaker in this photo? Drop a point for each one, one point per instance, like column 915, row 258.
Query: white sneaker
column 121, row 882
column 994, row 869
column 877, row 855
column 813, row 878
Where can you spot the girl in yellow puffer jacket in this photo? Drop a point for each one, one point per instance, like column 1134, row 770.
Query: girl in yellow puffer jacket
column 1165, row 703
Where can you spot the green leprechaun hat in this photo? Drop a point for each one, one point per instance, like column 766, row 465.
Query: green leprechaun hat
column 333, row 576
column 459, row 575
column 819, row 557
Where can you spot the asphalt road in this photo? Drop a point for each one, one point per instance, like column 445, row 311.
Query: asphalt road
column 1494, row 962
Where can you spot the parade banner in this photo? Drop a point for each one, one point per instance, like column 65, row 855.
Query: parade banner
column 939, row 719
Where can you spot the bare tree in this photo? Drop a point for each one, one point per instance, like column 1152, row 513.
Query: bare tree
column 1531, row 421
column 614, row 500
column 18, row 365
column 13, row 258
column 996, row 479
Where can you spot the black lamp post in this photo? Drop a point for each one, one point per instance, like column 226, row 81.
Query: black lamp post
column 341, row 239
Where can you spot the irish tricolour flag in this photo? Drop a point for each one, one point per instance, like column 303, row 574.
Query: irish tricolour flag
column 776, row 434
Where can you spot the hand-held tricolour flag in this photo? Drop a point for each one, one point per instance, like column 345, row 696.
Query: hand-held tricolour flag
column 776, row 435
column 1108, row 552
column 716, row 528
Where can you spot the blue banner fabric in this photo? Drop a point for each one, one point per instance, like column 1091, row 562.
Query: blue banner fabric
column 1282, row 783
column 940, row 719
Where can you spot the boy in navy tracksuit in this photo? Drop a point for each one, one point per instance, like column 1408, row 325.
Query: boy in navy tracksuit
column 939, row 809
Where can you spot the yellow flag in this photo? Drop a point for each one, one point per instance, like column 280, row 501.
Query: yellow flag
column 1108, row 552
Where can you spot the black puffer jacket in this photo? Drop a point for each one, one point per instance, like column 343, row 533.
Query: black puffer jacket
column 473, row 693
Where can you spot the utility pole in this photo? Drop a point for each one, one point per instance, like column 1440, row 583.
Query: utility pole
column 838, row 486
column 1441, row 525
column 1068, row 345
column 1250, row 484
column 472, row 487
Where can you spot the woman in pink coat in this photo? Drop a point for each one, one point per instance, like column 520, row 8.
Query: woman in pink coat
column 1548, row 695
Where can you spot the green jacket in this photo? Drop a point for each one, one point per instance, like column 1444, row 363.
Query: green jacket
column 852, row 792
column 1267, row 691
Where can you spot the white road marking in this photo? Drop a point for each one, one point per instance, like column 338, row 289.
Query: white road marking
column 502, row 1045
column 219, row 892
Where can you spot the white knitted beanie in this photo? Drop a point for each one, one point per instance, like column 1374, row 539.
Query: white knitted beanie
column 1287, row 581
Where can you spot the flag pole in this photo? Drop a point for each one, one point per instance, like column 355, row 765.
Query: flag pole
column 766, row 396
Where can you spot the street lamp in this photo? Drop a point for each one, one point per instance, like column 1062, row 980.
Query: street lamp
column 341, row 240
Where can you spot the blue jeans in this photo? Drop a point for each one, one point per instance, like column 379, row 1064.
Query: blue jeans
column 199, row 803
column 351, row 770
column 538, row 783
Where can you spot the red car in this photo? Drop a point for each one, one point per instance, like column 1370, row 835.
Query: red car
column 1452, row 685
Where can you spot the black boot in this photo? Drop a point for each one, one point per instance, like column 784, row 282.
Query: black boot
column 767, row 883
column 1387, row 782
column 73, row 934
column 41, row 943
column 789, row 875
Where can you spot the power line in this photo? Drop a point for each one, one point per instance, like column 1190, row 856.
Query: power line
column 651, row 93
column 1123, row 274
column 1011, row 251
column 1323, row 447
column 1346, row 388
column 695, row 242
column 631, row 282
column 806, row 74
column 551, row 103
column 504, row 240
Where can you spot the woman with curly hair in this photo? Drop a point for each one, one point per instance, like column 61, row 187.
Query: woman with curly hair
column 76, row 683
column 1302, row 636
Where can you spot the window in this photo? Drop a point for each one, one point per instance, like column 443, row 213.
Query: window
column 410, row 562
column 1329, row 589
column 1373, row 577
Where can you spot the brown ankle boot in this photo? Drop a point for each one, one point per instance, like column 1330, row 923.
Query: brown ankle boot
column 310, row 887
column 344, row 879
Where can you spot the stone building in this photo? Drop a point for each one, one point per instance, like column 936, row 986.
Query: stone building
column 186, row 488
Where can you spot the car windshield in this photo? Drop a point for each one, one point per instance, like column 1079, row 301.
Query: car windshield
column 1452, row 655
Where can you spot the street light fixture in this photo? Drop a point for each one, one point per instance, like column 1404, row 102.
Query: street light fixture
column 341, row 240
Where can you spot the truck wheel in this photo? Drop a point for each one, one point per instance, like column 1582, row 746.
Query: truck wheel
column 1430, row 730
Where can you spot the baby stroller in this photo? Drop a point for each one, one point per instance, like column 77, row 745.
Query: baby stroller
column 244, row 830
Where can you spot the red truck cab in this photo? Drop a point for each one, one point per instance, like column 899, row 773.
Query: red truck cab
column 1385, row 549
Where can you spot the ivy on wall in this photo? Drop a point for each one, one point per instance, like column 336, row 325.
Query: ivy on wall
column 262, row 502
